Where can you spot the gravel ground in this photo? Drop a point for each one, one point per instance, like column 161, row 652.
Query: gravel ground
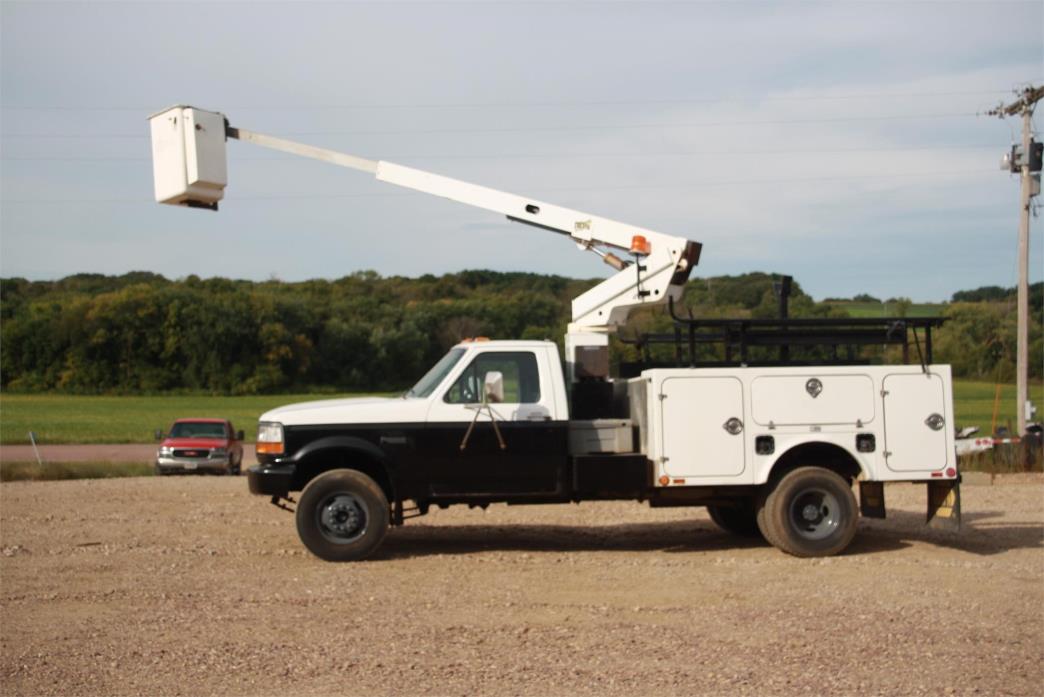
column 190, row 586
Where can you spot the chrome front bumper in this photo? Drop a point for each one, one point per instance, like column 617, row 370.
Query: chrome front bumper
column 194, row 464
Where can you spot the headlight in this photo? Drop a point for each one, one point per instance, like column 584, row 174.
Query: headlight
column 166, row 451
column 269, row 439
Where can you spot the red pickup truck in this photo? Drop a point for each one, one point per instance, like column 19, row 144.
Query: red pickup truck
column 200, row 445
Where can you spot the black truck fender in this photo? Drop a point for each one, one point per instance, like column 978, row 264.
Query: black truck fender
column 349, row 452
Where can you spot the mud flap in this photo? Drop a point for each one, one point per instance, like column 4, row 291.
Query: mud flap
column 871, row 499
column 944, row 505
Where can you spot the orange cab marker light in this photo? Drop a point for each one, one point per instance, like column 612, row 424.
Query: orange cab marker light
column 679, row 481
column 640, row 245
column 665, row 480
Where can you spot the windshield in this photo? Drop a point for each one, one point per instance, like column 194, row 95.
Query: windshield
column 189, row 429
column 427, row 384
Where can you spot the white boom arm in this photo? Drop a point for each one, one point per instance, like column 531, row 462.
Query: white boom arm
column 659, row 272
column 607, row 304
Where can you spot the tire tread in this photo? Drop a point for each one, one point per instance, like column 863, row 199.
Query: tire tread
column 774, row 516
column 351, row 481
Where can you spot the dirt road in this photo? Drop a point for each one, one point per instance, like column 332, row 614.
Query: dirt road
column 123, row 452
column 189, row 586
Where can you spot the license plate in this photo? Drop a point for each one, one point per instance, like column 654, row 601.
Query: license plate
column 189, row 465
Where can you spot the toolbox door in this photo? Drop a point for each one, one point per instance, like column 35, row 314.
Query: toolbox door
column 916, row 420
column 702, row 426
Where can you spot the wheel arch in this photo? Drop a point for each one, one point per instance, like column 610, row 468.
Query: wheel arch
column 817, row 453
column 344, row 452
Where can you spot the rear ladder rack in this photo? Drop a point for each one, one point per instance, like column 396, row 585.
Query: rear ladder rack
column 840, row 338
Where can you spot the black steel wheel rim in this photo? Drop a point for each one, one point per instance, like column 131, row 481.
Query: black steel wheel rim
column 815, row 514
column 342, row 517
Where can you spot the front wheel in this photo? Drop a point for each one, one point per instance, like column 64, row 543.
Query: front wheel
column 811, row 512
column 342, row 515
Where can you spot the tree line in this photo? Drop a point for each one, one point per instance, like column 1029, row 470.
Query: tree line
column 143, row 333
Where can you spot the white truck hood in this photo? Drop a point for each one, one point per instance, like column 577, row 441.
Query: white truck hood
column 356, row 410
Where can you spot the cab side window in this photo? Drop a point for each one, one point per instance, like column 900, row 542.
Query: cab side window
column 521, row 378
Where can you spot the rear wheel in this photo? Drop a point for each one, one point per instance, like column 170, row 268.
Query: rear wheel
column 739, row 519
column 342, row 515
column 759, row 517
column 811, row 512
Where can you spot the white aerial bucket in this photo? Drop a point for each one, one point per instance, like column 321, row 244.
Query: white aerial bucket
column 188, row 156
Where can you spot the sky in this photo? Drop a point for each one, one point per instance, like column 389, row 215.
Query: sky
column 843, row 143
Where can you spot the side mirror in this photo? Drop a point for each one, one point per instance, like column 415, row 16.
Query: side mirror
column 158, row 434
column 494, row 386
column 239, row 435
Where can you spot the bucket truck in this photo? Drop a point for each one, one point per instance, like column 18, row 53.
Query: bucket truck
column 772, row 449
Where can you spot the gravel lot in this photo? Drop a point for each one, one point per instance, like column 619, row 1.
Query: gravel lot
column 190, row 586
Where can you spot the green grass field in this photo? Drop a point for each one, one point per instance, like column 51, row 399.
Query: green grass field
column 862, row 309
column 973, row 402
column 53, row 471
column 57, row 419
column 60, row 419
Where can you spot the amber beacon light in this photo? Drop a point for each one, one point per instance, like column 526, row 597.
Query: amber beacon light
column 640, row 246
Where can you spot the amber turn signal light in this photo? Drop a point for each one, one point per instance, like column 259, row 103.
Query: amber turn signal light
column 269, row 449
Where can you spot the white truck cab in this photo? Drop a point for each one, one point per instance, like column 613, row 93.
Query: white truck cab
column 534, row 390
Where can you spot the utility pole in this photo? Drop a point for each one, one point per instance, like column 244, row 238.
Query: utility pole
column 1025, row 160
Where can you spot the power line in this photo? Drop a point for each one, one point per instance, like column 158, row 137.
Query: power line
column 513, row 105
column 435, row 3
column 622, row 187
column 1023, row 105
column 535, row 129
column 536, row 156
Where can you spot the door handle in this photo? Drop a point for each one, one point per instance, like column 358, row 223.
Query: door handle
column 935, row 422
